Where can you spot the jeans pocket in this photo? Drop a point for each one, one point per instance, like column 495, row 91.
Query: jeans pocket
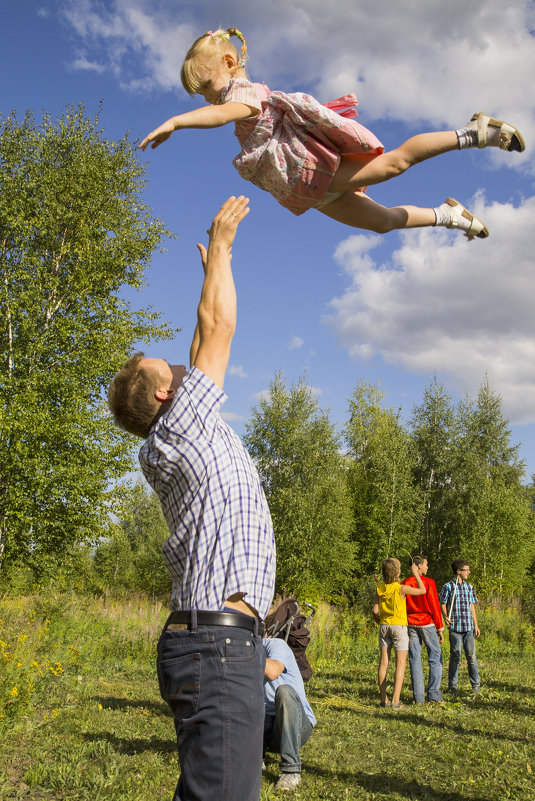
column 180, row 683
column 233, row 649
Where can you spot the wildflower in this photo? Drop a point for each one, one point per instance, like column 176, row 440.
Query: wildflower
column 14, row 692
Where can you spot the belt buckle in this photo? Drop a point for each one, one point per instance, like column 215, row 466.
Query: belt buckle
column 177, row 627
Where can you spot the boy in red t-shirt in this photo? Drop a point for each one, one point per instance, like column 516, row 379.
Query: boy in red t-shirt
column 425, row 626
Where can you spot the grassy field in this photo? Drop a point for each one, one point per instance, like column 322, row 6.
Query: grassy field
column 82, row 718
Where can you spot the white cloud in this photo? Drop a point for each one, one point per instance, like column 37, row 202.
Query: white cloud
column 421, row 62
column 296, row 342
column 139, row 44
column 237, row 370
column 232, row 417
column 444, row 304
column 81, row 62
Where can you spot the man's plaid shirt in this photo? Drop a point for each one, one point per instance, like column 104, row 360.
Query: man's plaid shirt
column 461, row 617
column 221, row 538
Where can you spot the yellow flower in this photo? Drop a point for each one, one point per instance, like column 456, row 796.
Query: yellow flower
column 14, row 692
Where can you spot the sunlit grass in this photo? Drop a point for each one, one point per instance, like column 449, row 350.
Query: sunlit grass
column 98, row 729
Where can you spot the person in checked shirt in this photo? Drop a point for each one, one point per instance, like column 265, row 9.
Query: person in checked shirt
column 458, row 601
column 220, row 552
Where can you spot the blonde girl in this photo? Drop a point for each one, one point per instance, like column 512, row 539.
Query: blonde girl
column 309, row 155
column 390, row 611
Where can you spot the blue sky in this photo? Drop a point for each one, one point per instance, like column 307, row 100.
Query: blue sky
column 315, row 298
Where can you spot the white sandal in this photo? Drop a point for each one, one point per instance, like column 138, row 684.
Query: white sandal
column 506, row 137
column 464, row 220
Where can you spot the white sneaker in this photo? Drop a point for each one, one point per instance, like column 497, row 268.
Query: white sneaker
column 288, row 781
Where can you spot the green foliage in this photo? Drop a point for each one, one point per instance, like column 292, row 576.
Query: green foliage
column 388, row 507
column 297, row 453
column 73, row 232
column 476, row 504
column 493, row 510
column 433, row 433
column 131, row 557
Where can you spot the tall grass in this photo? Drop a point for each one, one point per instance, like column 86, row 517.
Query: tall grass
column 53, row 640
column 46, row 641
column 348, row 636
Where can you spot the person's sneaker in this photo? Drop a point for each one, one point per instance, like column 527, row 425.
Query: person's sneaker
column 288, row 781
column 476, row 690
column 453, row 691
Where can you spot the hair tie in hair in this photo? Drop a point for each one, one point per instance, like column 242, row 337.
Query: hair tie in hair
column 210, row 33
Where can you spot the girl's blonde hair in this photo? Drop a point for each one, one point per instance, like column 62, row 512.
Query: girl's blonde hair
column 391, row 569
column 211, row 46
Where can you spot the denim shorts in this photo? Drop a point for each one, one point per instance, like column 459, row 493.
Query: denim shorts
column 394, row 635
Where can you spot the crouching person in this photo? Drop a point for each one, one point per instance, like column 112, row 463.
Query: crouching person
column 289, row 719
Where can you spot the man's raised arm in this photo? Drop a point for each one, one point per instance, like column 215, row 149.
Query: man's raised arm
column 216, row 315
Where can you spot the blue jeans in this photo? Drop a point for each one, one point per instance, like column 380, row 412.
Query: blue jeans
column 288, row 729
column 458, row 641
column 428, row 636
column 212, row 678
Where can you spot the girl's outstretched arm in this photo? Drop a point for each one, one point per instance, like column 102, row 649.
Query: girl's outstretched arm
column 205, row 117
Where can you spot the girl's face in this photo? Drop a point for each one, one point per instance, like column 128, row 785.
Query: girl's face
column 213, row 79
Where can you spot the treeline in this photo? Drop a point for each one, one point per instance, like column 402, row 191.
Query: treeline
column 446, row 483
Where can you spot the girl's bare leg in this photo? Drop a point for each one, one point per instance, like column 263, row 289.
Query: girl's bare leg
column 359, row 211
column 353, row 173
column 401, row 662
column 381, row 673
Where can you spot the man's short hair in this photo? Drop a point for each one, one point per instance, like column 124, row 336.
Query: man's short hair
column 391, row 569
column 131, row 397
column 418, row 559
column 458, row 564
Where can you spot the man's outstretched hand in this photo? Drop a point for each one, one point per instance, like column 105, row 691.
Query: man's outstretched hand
column 225, row 223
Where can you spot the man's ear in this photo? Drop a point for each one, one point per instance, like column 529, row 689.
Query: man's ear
column 163, row 394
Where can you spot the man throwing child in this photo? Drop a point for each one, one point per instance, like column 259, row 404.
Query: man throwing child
column 220, row 552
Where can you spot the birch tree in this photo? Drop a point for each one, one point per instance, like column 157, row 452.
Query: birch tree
column 73, row 232
column 304, row 474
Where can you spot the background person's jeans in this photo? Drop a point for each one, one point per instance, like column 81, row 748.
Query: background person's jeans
column 429, row 637
column 288, row 730
column 213, row 680
column 458, row 641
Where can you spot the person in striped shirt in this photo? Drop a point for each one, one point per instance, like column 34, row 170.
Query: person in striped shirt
column 221, row 551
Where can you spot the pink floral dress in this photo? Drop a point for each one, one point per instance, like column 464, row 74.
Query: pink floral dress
column 292, row 147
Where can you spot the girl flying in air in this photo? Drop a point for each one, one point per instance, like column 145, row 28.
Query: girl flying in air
column 309, row 155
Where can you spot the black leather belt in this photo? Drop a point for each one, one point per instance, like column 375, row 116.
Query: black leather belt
column 237, row 619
